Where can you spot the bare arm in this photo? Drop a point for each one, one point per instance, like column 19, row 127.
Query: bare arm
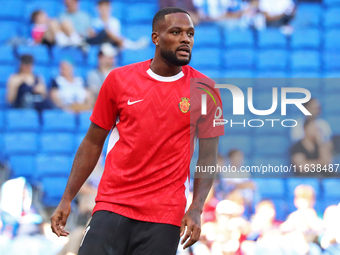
column 202, row 185
column 12, row 88
column 84, row 162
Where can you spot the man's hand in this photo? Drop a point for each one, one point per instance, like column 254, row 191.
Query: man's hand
column 59, row 218
column 192, row 220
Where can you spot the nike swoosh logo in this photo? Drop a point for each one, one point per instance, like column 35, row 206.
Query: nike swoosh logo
column 134, row 102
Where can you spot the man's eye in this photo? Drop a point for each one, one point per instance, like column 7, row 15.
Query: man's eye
column 191, row 34
column 175, row 32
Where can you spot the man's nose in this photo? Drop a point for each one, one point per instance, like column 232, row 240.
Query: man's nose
column 185, row 38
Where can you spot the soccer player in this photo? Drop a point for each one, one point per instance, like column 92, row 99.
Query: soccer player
column 151, row 109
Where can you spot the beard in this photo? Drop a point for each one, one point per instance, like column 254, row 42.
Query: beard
column 171, row 57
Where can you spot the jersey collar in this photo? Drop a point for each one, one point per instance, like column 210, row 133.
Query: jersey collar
column 165, row 78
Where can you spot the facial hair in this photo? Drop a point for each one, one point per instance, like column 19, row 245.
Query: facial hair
column 171, row 57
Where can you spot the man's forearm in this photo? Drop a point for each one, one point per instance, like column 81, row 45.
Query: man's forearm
column 84, row 162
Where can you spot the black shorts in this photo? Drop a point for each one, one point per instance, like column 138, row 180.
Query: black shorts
column 109, row 233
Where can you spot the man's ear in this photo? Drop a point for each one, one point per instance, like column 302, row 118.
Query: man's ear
column 155, row 37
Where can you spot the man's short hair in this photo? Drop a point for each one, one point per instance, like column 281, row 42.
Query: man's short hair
column 308, row 121
column 103, row 2
column 34, row 16
column 159, row 16
column 26, row 59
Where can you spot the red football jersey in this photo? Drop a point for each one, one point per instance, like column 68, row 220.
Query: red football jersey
column 155, row 122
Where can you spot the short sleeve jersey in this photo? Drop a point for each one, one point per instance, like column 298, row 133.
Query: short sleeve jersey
column 155, row 121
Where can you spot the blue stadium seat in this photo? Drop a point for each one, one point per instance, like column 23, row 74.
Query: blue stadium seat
column 205, row 58
column 271, row 188
column 53, row 166
column 135, row 15
column 2, row 98
column 57, row 120
column 331, row 61
column 2, row 120
column 74, row 55
column 39, row 52
column 241, row 142
column 209, row 36
column 6, row 71
column 22, row 120
column 52, row 8
column 271, row 74
column 23, row 166
column 44, row 72
column 239, row 59
column 307, row 15
column 331, row 75
column 20, row 143
column 271, row 146
column 294, row 182
column 52, row 143
column 334, row 122
column 238, row 74
column 332, row 18
column 331, row 104
column 92, row 56
column 281, row 207
column 332, row 37
column 331, row 188
column 84, row 121
column 298, row 74
column 134, row 32
column 213, row 73
column 271, row 38
column 305, row 60
column 9, row 29
column 239, row 38
column 331, row 2
column 272, row 59
column 6, row 55
column 133, row 56
column 306, row 39
column 89, row 7
column 12, row 9
column 53, row 188
column 118, row 9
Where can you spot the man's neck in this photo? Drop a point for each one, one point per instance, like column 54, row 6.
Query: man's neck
column 163, row 68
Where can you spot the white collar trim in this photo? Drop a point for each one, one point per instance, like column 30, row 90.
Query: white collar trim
column 164, row 78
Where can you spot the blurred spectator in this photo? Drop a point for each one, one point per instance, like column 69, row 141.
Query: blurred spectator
column 311, row 151
column 75, row 23
column 304, row 219
column 313, row 106
column 187, row 5
column 27, row 90
column 47, row 31
column 330, row 240
column 69, row 92
column 209, row 207
column 106, row 62
column 278, row 13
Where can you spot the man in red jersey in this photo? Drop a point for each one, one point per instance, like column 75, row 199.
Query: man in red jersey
column 155, row 116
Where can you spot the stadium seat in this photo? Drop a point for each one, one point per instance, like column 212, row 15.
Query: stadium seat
column 332, row 37
column 89, row 6
column 135, row 15
column 53, row 166
column 270, row 187
column 313, row 84
column 133, row 56
column 57, row 120
column 331, row 104
column 272, row 60
column 306, row 39
column 213, row 73
column 20, row 143
column 239, row 59
column 118, row 9
column 84, row 121
column 6, row 55
column 12, row 9
column 23, row 166
column 307, row 15
column 9, row 29
column 52, row 8
column 271, row 146
column 44, row 72
column 6, row 71
column 331, row 2
column 298, row 74
column 39, row 52
column 22, row 120
column 241, row 142
column 52, row 143
column 74, row 55
column 3, row 104
column 271, row 74
column 238, row 38
column 205, row 58
column 271, row 38
column 332, row 18
column 294, row 182
column 134, row 32
column 238, row 74
column 53, row 190
column 281, row 206
column 305, row 60
column 2, row 120
column 331, row 188
column 331, row 61
column 208, row 35
column 92, row 56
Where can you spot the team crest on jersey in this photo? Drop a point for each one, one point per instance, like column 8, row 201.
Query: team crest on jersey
column 184, row 105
